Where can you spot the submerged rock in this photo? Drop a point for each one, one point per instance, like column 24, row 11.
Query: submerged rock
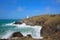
column 17, row 34
column 29, row 36
column 18, row 22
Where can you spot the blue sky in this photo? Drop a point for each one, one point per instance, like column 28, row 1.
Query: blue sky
column 17, row 9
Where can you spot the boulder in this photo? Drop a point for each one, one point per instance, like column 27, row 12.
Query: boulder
column 29, row 36
column 18, row 22
column 17, row 34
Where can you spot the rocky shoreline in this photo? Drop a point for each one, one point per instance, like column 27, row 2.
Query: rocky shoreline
column 19, row 36
column 50, row 27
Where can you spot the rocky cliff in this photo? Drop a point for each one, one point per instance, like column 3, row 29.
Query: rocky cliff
column 50, row 25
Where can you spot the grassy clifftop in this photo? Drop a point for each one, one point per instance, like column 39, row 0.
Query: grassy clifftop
column 42, row 19
column 50, row 25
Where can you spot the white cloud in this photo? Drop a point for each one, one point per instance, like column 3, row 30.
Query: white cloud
column 55, row 2
column 14, row 1
column 36, row 10
column 48, row 9
column 20, row 9
column 58, row 1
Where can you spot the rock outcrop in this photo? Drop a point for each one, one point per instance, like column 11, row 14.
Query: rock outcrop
column 50, row 25
column 17, row 34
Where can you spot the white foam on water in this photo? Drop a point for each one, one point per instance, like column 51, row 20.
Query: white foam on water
column 18, row 25
column 37, row 30
column 9, row 24
column 7, row 35
column 25, row 34
column 38, row 33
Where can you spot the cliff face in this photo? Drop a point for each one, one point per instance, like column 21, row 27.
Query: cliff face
column 50, row 25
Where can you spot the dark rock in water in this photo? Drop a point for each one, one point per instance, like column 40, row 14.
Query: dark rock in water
column 17, row 34
column 29, row 35
column 18, row 22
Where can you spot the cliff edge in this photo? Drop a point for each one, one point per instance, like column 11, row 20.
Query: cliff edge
column 50, row 25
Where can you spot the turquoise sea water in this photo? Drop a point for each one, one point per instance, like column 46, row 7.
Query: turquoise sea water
column 4, row 29
column 7, row 30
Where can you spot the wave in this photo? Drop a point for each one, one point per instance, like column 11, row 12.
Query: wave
column 23, row 24
column 7, row 35
column 8, row 24
column 37, row 30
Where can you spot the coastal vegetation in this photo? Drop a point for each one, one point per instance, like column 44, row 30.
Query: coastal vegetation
column 50, row 25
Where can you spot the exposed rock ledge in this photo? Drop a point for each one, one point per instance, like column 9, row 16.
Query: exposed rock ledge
column 50, row 24
column 19, row 36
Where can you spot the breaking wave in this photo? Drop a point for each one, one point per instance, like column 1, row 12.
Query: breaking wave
column 36, row 33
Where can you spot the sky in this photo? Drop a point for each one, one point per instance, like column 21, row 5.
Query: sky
column 18, row 9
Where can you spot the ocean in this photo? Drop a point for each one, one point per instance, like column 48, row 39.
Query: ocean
column 7, row 28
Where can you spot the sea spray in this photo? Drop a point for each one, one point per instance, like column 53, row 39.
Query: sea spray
column 7, row 35
column 9, row 24
column 38, row 32
column 35, row 33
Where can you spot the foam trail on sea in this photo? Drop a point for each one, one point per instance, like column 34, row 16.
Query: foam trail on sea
column 37, row 30
column 7, row 35
column 10, row 24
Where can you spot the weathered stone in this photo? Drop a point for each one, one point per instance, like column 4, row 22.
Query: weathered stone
column 50, row 25
column 29, row 35
column 17, row 34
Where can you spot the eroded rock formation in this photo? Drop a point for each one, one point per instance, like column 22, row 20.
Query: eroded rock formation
column 50, row 25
